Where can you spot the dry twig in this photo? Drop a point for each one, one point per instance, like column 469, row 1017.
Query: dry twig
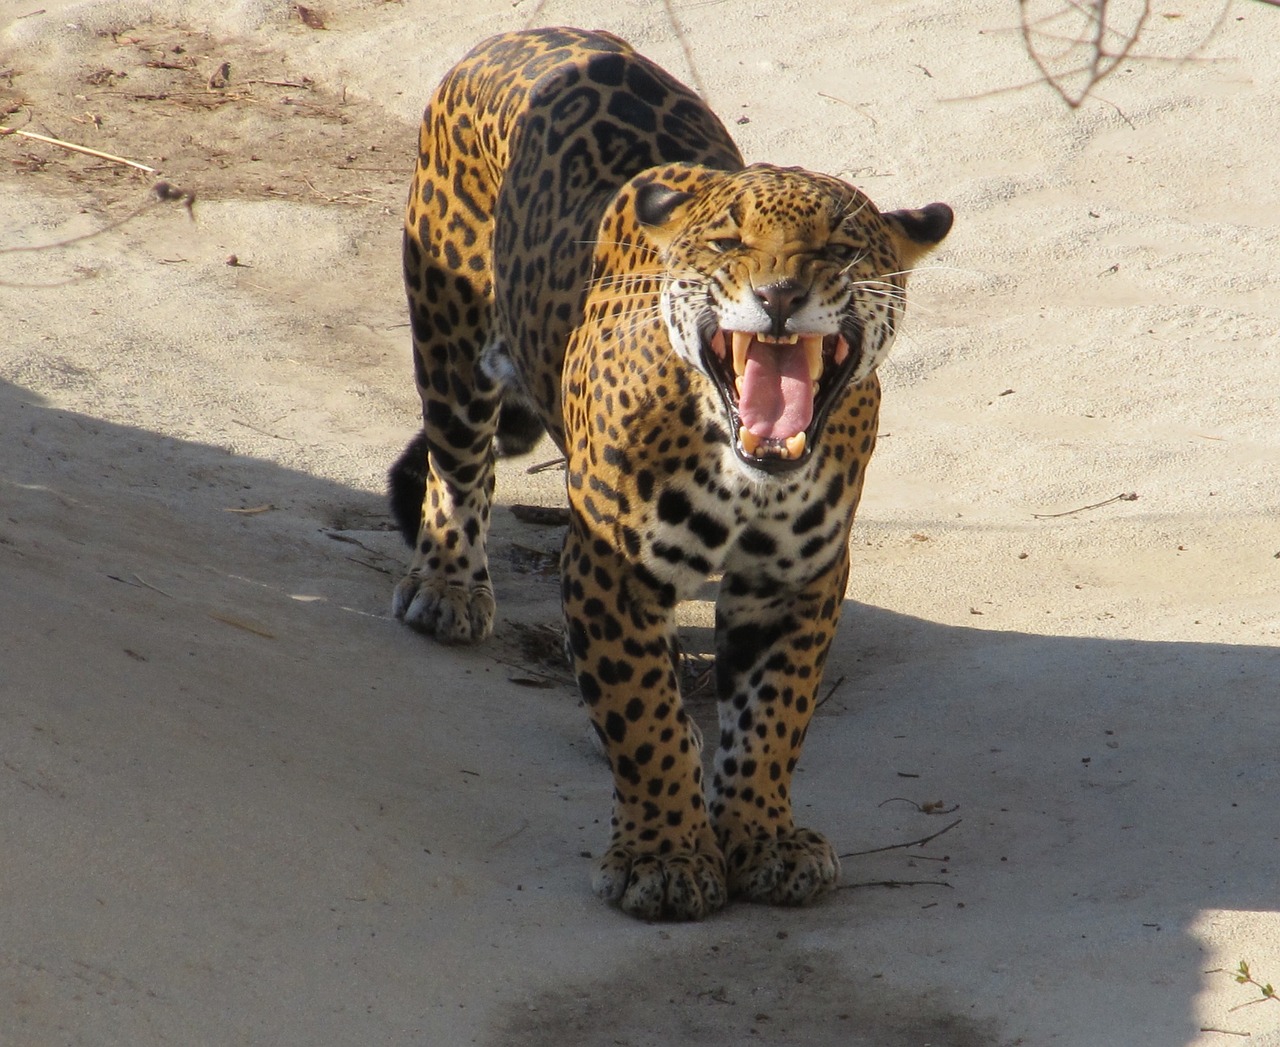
column 161, row 192
column 910, row 843
column 894, row 883
column 832, row 690
column 541, row 515
column 687, row 49
column 75, row 148
column 1131, row 496
column 1105, row 46
column 551, row 463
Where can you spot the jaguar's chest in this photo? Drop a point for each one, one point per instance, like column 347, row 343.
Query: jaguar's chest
column 712, row 515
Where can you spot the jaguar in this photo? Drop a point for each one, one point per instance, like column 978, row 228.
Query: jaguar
column 587, row 254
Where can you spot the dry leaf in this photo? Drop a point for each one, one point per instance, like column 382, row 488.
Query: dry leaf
column 310, row 17
column 238, row 623
column 220, row 78
column 252, row 510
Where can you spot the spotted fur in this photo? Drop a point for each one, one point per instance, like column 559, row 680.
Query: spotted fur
column 586, row 252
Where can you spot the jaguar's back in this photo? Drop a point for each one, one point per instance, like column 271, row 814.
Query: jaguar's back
column 522, row 147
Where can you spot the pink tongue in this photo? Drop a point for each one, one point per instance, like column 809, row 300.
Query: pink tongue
column 776, row 401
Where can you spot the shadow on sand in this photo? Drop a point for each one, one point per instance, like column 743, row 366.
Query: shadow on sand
column 1112, row 792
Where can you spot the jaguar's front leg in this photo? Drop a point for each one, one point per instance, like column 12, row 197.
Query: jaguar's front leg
column 447, row 592
column 771, row 644
column 663, row 861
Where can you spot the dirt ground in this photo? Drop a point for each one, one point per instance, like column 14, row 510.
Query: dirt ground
column 240, row 804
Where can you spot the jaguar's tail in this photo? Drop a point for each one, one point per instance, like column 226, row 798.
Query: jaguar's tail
column 519, row 429
column 407, row 487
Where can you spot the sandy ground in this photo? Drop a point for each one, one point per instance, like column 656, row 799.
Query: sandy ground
column 239, row 804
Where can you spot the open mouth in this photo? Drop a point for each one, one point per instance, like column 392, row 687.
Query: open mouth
column 777, row 390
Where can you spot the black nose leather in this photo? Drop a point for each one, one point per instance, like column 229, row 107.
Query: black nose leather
column 780, row 301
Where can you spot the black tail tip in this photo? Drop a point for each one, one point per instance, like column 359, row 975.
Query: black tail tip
column 407, row 487
column 519, row 428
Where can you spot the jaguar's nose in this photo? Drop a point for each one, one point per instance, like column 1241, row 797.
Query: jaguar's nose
column 780, row 300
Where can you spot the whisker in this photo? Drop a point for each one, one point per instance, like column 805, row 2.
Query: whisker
column 619, row 291
column 635, row 245
column 896, row 295
column 635, row 274
column 933, row 268
column 640, row 307
column 621, row 279
column 658, row 362
column 857, row 204
column 878, row 292
column 647, row 271
column 883, row 286
column 635, row 300
column 856, row 261
column 917, row 306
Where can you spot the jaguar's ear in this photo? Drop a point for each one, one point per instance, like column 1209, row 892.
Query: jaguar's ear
column 917, row 232
column 656, row 203
column 657, row 200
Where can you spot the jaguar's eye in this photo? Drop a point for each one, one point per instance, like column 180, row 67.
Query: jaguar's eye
column 725, row 244
column 841, row 252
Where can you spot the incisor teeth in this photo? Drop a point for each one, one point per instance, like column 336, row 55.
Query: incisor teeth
column 740, row 342
column 791, row 448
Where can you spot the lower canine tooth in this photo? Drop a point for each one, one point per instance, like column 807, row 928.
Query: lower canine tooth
column 750, row 442
column 795, row 445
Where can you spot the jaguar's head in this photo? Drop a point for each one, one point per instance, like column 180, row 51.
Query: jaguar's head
column 784, row 287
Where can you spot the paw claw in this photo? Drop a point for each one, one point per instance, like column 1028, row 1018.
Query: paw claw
column 791, row 869
column 686, row 886
column 450, row 613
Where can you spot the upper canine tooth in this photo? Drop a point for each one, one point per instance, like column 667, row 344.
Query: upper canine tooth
column 813, row 352
column 741, row 343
